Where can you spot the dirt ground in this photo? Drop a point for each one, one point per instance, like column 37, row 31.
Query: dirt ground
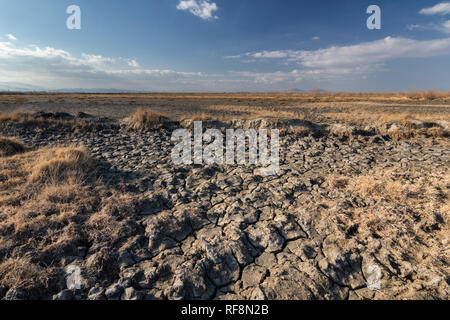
column 358, row 210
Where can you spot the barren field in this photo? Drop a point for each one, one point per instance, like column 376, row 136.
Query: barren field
column 359, row 208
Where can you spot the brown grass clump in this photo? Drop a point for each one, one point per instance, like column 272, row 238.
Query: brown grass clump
column 337, row 182
column 401, row 214
column 301, row 131
column 143, row 119
column 52, row 212
column 114, row 210
column 21, row 272
column 436, row 132
column 10, row 147
column 429, row 95
column 62, row 164
column 341, row 130
column 38, row 224
column 407, row 129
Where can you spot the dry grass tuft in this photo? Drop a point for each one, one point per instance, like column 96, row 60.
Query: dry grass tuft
column 301, row 131
column 429, row 95
column 44, row 225
column 58, row 165
column 402, row 214
column 341, row 130
column 10, row 147
column 143, row 119
column 337, row 182
column 436, row 132
column 22, row 273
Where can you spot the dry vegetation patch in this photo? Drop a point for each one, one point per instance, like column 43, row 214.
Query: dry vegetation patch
column 21, row 272
column 404, row 216
column 53, row 210
column 57, row 165
column 10, row 147
column 144, row 119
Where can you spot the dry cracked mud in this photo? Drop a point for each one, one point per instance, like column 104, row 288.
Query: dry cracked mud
column 361, row 217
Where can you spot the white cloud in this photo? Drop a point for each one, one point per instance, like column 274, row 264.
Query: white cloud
column 442, row 8
column 200, row 8
column 133, row 63
column 364, row 53
column 444, row 27
column 298, row 75
column 233, row 57
column 416, row 26
column 342, row 62
column 97, row 60
column 11, row 37
column 316, row 38
column 55, row 68
column 270, row 54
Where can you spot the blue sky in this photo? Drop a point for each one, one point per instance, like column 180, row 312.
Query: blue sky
column 225, row 45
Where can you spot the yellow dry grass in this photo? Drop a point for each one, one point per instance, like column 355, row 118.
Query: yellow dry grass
column 423, row 194
column 400, row 212
column 351, row 115
column 51, row 204
column 142, row 119
column 312, row 96
column 21, row 272
column 62, row 164
column 230, row 112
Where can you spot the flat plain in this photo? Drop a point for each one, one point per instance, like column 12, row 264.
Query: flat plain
column 359, row 208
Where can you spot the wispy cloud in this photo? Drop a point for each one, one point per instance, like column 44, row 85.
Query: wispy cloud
column 96, row 59
column 200, row 8
column 298, row 75
column 55, row 68
column 316, row 38
column 133, row 63
column 443, row 27
column 365, row 53
column 11, row 37
column 446, row 26
column 442, row 8
column 340, row 62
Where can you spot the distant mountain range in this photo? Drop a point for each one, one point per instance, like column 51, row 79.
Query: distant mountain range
column 95, row 90
column 16, row 86
column 21, row 87
column 305, row 91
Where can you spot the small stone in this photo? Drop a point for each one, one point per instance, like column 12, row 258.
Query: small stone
column 64, row 295
column 253, row 275
column 114, row 292
column 96, row 293
column 131, row 294
column 258, row 294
